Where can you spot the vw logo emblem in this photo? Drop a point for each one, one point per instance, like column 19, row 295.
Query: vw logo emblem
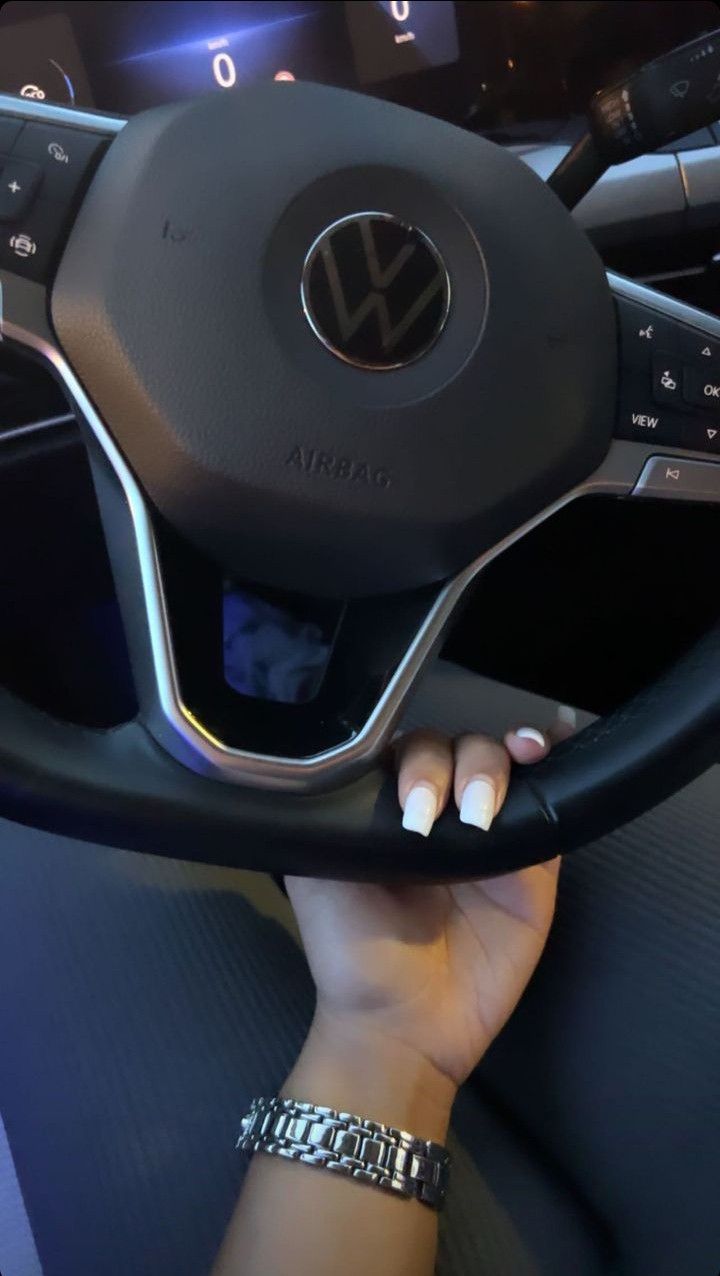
column 375, row 291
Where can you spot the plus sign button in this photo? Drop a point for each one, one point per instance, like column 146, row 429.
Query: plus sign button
column 19, row 181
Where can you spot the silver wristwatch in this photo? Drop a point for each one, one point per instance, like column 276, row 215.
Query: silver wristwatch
column 350, row 1145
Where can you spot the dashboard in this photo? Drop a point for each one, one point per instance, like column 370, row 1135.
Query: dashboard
column 510, row 68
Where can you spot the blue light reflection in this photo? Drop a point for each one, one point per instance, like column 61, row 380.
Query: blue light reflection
column 225, row 38
column 226, row 55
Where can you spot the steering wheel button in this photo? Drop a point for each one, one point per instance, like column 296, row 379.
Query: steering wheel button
column 649, row 425
column 701, row 350
column 642, row 333
column 674, row 478
column 27, row 244
column 668, row 378
column 9, row 129
column 702, row 388
column 19, row 181
column 63, row 153
column 641, row 419
column 702, row 436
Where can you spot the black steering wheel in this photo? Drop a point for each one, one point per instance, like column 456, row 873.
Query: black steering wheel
column 318, row 341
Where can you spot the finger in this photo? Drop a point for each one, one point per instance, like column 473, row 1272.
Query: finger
column 527, row 744
column 565, row 724
column 482, row 770
column 424, row 776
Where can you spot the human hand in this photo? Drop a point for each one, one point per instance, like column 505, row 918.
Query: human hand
column 413, row 983
column 432, row 970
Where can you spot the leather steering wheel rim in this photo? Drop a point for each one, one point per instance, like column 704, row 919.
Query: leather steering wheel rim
column 120, row 788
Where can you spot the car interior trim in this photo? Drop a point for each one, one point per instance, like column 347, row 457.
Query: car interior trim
column 44, row 112
column 664, row 304
column 36, row 427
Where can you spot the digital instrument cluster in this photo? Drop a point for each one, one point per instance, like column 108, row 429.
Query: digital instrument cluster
column 140, row 55
column 492, row 65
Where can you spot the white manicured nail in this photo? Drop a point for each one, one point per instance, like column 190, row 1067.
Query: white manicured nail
column 478, row 804
column 567, row 715
column 420, row 810
column 531, row 733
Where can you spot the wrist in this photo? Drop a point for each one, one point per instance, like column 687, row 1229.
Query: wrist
column 345, row 1065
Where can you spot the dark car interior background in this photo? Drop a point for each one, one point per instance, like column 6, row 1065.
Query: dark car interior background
column 597, row 1111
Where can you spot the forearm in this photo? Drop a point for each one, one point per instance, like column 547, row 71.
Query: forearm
column 297, row 1220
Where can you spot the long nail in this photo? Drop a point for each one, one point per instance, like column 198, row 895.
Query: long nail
column 531, row 733
column 420, row 810
column 477, row 805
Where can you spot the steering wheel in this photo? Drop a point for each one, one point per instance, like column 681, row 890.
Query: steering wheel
column 320, row 342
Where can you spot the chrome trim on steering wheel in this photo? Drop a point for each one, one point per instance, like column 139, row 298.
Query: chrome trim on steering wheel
column 669, row 306
column 29, row 109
